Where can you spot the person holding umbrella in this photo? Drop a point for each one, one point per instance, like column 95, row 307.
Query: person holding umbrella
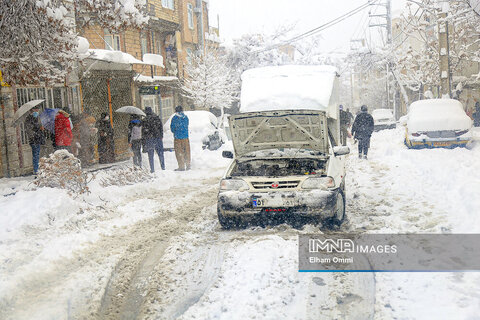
column 106, row 148
column 36, row 138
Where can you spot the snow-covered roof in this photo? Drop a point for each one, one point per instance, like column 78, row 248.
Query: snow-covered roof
column 112, row 56
column 142, row 78
column 153, row 59
column 292, row 87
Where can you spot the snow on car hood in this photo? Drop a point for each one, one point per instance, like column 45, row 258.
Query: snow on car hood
column 437, row 115
column 256, row 131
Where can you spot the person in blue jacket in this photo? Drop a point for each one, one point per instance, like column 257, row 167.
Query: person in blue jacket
column 179, row 128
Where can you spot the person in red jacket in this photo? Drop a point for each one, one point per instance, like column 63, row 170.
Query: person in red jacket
column 63, row 131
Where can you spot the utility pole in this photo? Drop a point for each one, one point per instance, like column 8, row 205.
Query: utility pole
column 444, row 49
column 388, row 26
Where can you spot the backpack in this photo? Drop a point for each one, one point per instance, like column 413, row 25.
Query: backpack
column 136, row 133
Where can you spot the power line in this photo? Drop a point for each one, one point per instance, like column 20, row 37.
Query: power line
column 319, row 28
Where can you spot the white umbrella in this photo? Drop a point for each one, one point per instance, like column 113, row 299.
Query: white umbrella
column 131, row 110
column 24, row 109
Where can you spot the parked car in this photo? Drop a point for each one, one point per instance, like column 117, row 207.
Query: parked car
column 437, row 123
column 286, row 163
column 383, row 119
column 202, row 131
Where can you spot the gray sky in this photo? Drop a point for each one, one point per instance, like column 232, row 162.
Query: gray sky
column 238, row 17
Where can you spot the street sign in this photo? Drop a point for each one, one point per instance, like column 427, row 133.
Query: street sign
column 149, row 90
column 475, row 5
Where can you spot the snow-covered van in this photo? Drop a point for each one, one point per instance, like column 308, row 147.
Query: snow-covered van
column 434, row 123
column 287, row 157
column 383, row 119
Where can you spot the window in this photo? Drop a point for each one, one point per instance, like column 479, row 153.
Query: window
column 189, row 55
column 190, row 15
column 150, row 101
column 144, row 45
column 152, row 10
column 169, row 4
column 112, row 42
column 167, row 108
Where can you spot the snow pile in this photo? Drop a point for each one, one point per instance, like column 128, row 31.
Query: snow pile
column 153, row 59
column 123, row 176
column 62, row 170
column 112, row 56
column 436, row 115
column 83, row 45
column 287, row 88
column 142, row 78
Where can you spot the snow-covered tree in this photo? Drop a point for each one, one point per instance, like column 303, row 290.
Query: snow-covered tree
column 114, row 15
column 38, row 41
column 417, row 56
column 209, row 82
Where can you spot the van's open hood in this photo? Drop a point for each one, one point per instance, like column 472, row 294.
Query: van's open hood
column 301, row 129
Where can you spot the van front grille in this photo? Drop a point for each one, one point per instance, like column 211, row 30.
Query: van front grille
column 275, row 184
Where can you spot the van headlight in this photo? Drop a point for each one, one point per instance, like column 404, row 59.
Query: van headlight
column 323, row 183
column 233, row 184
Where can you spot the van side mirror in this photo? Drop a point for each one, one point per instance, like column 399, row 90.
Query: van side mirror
column 227, row 154
column 341, row 150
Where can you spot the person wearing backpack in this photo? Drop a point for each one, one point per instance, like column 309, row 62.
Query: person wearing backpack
column 135, row 140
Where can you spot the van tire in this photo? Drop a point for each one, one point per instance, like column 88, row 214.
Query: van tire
column 227, row 222
column 339, row 210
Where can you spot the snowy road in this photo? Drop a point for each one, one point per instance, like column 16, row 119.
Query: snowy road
column 155, row 250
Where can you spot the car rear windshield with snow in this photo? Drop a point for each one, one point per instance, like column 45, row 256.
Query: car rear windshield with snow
column 437, row 115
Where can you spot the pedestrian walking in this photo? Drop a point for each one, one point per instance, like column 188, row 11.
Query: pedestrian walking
column 35, row 135
column 106, row 146
column 362, row 130
column 179, row 128
column 476, row 115
column 344, row 124
column 63, row 131
column 135, row 140
column 152, row 134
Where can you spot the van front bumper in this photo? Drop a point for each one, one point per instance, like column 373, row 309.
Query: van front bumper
column 313, row 203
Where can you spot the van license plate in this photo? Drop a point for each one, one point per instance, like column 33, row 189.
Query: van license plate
column 273, row 203
column 441, row 144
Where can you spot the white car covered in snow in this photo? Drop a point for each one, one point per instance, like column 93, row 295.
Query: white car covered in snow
column 202, row 130
column 287, row 161
column 383, row 119
column 437, row 123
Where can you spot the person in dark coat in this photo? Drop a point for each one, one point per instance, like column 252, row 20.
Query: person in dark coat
column 362, row 130
column 476, row 115
column 344, row 124
column 152, row 135
column 135, row 139
column 106, row 147
column 36, row 138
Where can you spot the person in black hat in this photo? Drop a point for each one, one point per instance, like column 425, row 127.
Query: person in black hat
column 362, row 130
column 152, row 135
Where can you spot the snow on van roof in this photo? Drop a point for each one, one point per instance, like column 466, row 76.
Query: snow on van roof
column 437, row 114
column 287, row 88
